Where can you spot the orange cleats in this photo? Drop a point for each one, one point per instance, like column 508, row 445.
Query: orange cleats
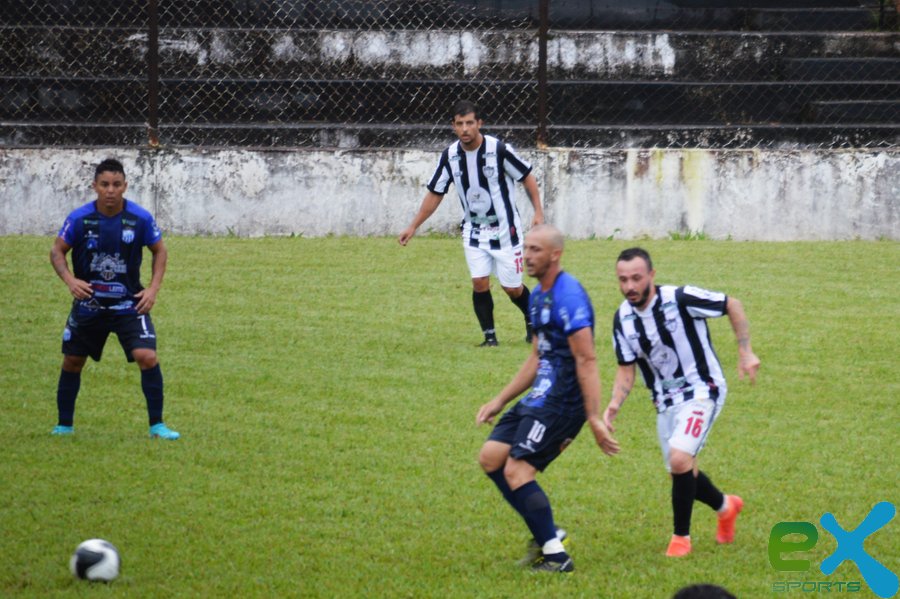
column 725, row 531
column 679, row 546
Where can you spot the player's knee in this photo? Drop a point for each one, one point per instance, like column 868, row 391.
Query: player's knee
column 514, row 292
column 145, row 358
column 490, row 459
column 481, row 284
column 518, row 473
column 680, row 462
column 73, row 363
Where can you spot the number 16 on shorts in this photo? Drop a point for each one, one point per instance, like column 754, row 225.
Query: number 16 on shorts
column 690, row 425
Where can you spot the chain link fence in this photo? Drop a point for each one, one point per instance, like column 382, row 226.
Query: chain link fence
column 384, row 73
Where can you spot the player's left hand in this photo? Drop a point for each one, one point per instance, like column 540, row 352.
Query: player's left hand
column 748, row 364
column 146, row 300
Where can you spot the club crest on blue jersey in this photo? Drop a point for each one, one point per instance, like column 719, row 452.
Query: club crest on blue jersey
column 108, row 266
column 127, row 235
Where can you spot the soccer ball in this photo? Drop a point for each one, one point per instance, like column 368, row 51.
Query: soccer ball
column 95, row 559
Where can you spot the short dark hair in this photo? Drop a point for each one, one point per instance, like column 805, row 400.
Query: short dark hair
column 703, row 591
column 632, row 253
column 464, row 107
column 110, row 165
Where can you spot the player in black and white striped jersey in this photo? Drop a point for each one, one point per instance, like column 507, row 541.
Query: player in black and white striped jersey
column 484, row 171
column 662, row 329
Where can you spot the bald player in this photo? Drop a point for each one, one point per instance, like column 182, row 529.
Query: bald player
column 561, row 371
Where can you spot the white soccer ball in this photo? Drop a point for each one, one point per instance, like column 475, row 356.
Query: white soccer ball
column 95, row 559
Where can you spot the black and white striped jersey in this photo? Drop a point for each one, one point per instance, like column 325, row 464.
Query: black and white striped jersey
column 485, row 181
column 671, row 344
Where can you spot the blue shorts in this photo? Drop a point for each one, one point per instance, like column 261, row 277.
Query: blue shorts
column 85, row 334
column 536, row 436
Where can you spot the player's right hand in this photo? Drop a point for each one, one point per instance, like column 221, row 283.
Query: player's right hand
column 80, row 289
column 604, row 437
column 406, row 235
column 487, row 412
column 609, row 414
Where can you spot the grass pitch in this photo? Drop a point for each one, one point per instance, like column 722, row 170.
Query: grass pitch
column 326, row 391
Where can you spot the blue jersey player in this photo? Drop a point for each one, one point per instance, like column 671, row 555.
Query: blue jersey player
column 565, row 392
column 106, row 238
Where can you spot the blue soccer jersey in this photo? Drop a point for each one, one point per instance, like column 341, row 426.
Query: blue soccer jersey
column 555, row 315
column 107, row 252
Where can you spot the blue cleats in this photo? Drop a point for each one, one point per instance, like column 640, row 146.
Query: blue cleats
column 161, row 431
column 62, row 431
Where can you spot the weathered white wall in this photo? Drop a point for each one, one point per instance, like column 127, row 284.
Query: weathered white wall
column 742, row 194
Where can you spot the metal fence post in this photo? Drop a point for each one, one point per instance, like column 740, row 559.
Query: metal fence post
column 543, row 29
column 153, row 73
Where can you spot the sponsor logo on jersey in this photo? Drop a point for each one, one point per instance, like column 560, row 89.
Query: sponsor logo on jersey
column 115, row 290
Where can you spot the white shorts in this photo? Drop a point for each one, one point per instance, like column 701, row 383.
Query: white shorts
column 685, row 426
column 506, row 263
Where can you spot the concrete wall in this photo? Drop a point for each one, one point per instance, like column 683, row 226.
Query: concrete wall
column 741, row 194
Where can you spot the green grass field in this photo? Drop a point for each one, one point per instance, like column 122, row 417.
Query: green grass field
column 326, row 391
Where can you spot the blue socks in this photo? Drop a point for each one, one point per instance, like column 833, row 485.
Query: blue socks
column 534, row 506
column 152, row 385
column 66, row 393
column 500, row 481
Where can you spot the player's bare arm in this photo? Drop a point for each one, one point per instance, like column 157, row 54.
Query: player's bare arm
column 748, row 363
column 147, row 296
column 581, row 342
column 518, row 385
column 531, row 188
column 78, row 288
column 430, row 203
column 622, row 386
